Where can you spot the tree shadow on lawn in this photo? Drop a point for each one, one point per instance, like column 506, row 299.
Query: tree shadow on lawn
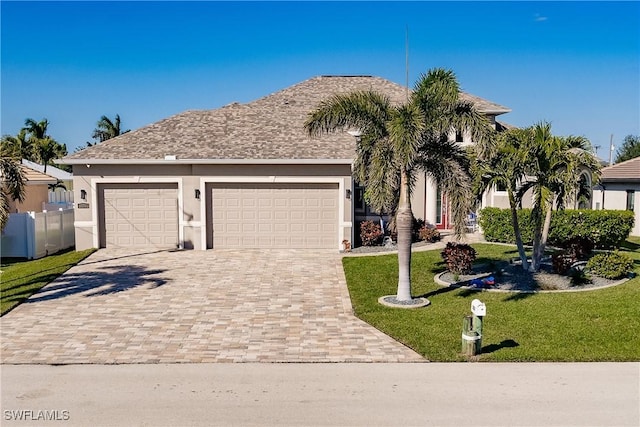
column 106, row 281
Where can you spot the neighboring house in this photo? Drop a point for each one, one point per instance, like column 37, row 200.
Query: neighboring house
column 619, row 188
column 65, row 178
column 241, row 176
column 36, row 191
column 61, row 195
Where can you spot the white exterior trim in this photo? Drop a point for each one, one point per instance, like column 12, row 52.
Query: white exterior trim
column 135, row 180
column 274, row 180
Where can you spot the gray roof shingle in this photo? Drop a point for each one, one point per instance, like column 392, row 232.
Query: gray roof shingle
column 268, row 128
column 628, row 171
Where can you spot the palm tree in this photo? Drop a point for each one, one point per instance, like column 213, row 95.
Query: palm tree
column 48, row 149
column 12, row 186
column 506, row 167
column 36, row 130
column 107, row 129
column 554, row 167
column 44, row 147
column 19, row 146
column 397, row 141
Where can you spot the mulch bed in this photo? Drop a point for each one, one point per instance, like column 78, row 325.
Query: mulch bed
column 511, row 277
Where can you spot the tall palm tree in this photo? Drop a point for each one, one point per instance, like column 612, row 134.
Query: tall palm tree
column 506, row 167
column 12, row 185
column 398, row 141
column 44, row 147
column 107, row 129
column 555, row 165
column 47, row 149
column 36, row 130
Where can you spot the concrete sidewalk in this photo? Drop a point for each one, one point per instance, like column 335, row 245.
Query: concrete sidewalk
column 352, row 394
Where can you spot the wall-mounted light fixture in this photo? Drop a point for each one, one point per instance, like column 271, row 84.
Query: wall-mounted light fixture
column 83, row 195
column 348, row 194
column 197, row 193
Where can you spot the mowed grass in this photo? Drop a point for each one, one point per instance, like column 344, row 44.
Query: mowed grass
column 20, row 279
column 599, row 325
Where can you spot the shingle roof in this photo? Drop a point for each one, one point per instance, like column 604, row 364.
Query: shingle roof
column 268, row 128
column 628, row 171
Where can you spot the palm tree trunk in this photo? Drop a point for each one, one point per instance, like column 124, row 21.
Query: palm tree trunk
column 545, row 234
column 517, row 233
column 540, row 240
column 404, row 219
column 537, row 237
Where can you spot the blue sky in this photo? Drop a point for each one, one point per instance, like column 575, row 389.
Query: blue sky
column 575, row 64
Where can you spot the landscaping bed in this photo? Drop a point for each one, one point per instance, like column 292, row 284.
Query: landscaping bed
column 600, row 325
column 507, row 276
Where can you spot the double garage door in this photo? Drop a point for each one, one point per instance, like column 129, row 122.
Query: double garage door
column 274, row 215
column 238, row 215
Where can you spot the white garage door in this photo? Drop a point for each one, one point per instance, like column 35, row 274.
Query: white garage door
column 140, row 216
column 275, row 216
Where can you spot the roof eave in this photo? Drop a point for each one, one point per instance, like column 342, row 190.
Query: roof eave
column 206, row 161
column 619, row 180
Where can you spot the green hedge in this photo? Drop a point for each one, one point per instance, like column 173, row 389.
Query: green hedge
column 604, row 228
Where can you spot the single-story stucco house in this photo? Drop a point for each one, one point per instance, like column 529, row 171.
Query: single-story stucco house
column 619, row 188
column 36, row 191
column 241, row 176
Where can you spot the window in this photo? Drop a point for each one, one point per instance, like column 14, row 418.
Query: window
column 501, row 188
column 631, row 195
column 358, row 199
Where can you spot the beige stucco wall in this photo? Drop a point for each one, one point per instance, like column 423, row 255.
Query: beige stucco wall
column 35, row 196
column 195, row 177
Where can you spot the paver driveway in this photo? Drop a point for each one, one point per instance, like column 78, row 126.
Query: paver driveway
column 196, row 306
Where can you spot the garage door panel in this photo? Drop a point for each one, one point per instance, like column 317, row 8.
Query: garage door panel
column 140, row 216
column 274, row 215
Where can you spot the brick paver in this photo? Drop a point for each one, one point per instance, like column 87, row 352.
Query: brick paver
column 196, row 306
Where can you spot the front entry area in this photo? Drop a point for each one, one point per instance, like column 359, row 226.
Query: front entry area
column 272, row 216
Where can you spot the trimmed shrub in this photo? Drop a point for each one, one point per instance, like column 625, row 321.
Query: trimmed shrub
column 562, row 261
column 496, row 225
column 603, row 229
column 577, row 249
column 610, row 265
column 428, row 234
column 459, row 257
column 370, row 233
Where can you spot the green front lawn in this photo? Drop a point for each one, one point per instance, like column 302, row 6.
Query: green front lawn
column 20, row 279
column 600, row 325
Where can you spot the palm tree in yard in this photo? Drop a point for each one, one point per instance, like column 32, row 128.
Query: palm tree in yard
column 107, row 129
column 398, row 141
column 12, row 185
column 506, row 167
column 554, row 167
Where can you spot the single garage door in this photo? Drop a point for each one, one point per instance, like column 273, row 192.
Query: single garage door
column 139, row 216
column 275, row 216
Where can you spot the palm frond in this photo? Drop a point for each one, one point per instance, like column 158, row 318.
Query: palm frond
column 365, row 111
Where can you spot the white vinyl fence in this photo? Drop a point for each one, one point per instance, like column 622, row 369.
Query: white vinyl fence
column 35, row 235
column 59, row 199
